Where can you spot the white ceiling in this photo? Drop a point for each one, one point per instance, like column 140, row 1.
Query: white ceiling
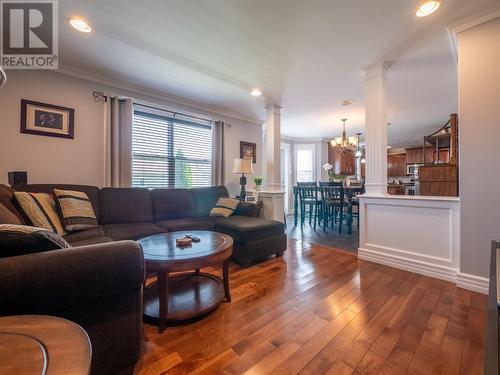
column 305, row 56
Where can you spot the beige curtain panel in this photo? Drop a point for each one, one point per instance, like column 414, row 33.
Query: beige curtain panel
column 218, row 159
column 118, row 128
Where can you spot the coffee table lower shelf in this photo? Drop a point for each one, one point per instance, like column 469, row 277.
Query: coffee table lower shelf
column 191, row 295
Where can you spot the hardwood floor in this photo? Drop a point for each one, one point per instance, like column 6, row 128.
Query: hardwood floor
column 322, row 311
column 328, row 238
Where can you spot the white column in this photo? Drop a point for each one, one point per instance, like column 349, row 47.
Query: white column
column 272, row 143
column 376, row 128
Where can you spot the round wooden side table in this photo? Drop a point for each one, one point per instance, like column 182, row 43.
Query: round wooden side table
column 39, row 344
column 188, row 294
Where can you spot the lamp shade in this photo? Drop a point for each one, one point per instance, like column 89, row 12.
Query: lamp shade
column 242, row 166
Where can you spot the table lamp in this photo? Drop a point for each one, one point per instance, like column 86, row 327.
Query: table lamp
column 243, row 166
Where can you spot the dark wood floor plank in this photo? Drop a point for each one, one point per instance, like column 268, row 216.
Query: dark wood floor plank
column 319, row 311
column 307, row 351
column 473, row 354
column 287, row 349
column 403, row 351
column 373, row 299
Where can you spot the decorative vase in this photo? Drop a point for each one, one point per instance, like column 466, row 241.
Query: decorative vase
column 258, row 187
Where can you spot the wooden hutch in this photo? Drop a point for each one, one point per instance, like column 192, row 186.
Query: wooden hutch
column 439, row 174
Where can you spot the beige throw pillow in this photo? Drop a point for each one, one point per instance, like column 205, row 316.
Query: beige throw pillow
column 224, row 207
column 76, row 210
column 41, row 209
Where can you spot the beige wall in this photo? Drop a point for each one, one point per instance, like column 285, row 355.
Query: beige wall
column 80, row 160
column 479, row 107
column 50, row 159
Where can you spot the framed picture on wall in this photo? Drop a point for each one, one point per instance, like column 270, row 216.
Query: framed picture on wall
column 47, row 119
column 248, row 151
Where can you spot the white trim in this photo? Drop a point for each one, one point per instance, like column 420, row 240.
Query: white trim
column 462, row 280
column 472, row 282
column 154, row 94
column 475, row 20
column 301, row 140
column 414, row 198
column 412, row 253
column 407, row 264
column 469, row 23
column 453, row 42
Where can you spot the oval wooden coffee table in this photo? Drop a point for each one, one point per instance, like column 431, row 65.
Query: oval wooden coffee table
column 188, row 294
column 39, row 344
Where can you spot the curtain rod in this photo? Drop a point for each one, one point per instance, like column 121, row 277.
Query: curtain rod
column 99, row 95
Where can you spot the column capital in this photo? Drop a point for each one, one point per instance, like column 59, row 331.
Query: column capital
column 376, row 70
column 274, row 108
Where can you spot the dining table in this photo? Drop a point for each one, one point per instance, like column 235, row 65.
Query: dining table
column 351, row 190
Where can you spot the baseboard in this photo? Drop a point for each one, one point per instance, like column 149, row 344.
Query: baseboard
column 462, row 280
column 407, row 264
column 472, row 282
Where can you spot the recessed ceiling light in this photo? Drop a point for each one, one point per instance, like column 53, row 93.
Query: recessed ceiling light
column 256, row 92
column 346, row 102
column 428, row 7
column 80, row 25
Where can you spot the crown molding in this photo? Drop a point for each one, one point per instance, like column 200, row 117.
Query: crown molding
column 286, row 138
column 300, row 140
column 475, row 20
column 122, row 85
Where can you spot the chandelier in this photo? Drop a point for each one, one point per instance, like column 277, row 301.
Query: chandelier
column 345, row 143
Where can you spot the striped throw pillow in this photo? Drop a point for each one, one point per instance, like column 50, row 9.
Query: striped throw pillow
column 224, row 207
column 21, row 239
column 76, row 210
column 41, row 209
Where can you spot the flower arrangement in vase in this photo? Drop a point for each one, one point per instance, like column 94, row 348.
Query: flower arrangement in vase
column 258, row 182
column 332, row 176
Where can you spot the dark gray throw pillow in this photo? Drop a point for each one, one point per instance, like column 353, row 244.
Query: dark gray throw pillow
column 22, row 239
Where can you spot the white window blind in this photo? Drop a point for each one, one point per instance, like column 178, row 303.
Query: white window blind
column 170, row 152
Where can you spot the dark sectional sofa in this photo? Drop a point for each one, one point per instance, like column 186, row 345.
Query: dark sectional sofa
column 98, row 282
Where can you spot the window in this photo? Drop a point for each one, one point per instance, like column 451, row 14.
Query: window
column 305, row 163
column 170, row 152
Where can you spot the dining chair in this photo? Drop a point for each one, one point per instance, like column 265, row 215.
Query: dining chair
column 353, row 202
column 332, row 198
column 309, row 202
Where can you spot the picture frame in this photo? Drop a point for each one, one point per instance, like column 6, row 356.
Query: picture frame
column 248, row 150
column 47, row 119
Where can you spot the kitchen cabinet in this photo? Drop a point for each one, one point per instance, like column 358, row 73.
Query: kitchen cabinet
column 396, row 165
column 344, row 162
column 429, row 155
column 414, row 155
column 439, row 179
column 444, row 155
column 396, row 189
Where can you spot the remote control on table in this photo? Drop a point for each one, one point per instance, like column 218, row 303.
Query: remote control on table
column 194, row 238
